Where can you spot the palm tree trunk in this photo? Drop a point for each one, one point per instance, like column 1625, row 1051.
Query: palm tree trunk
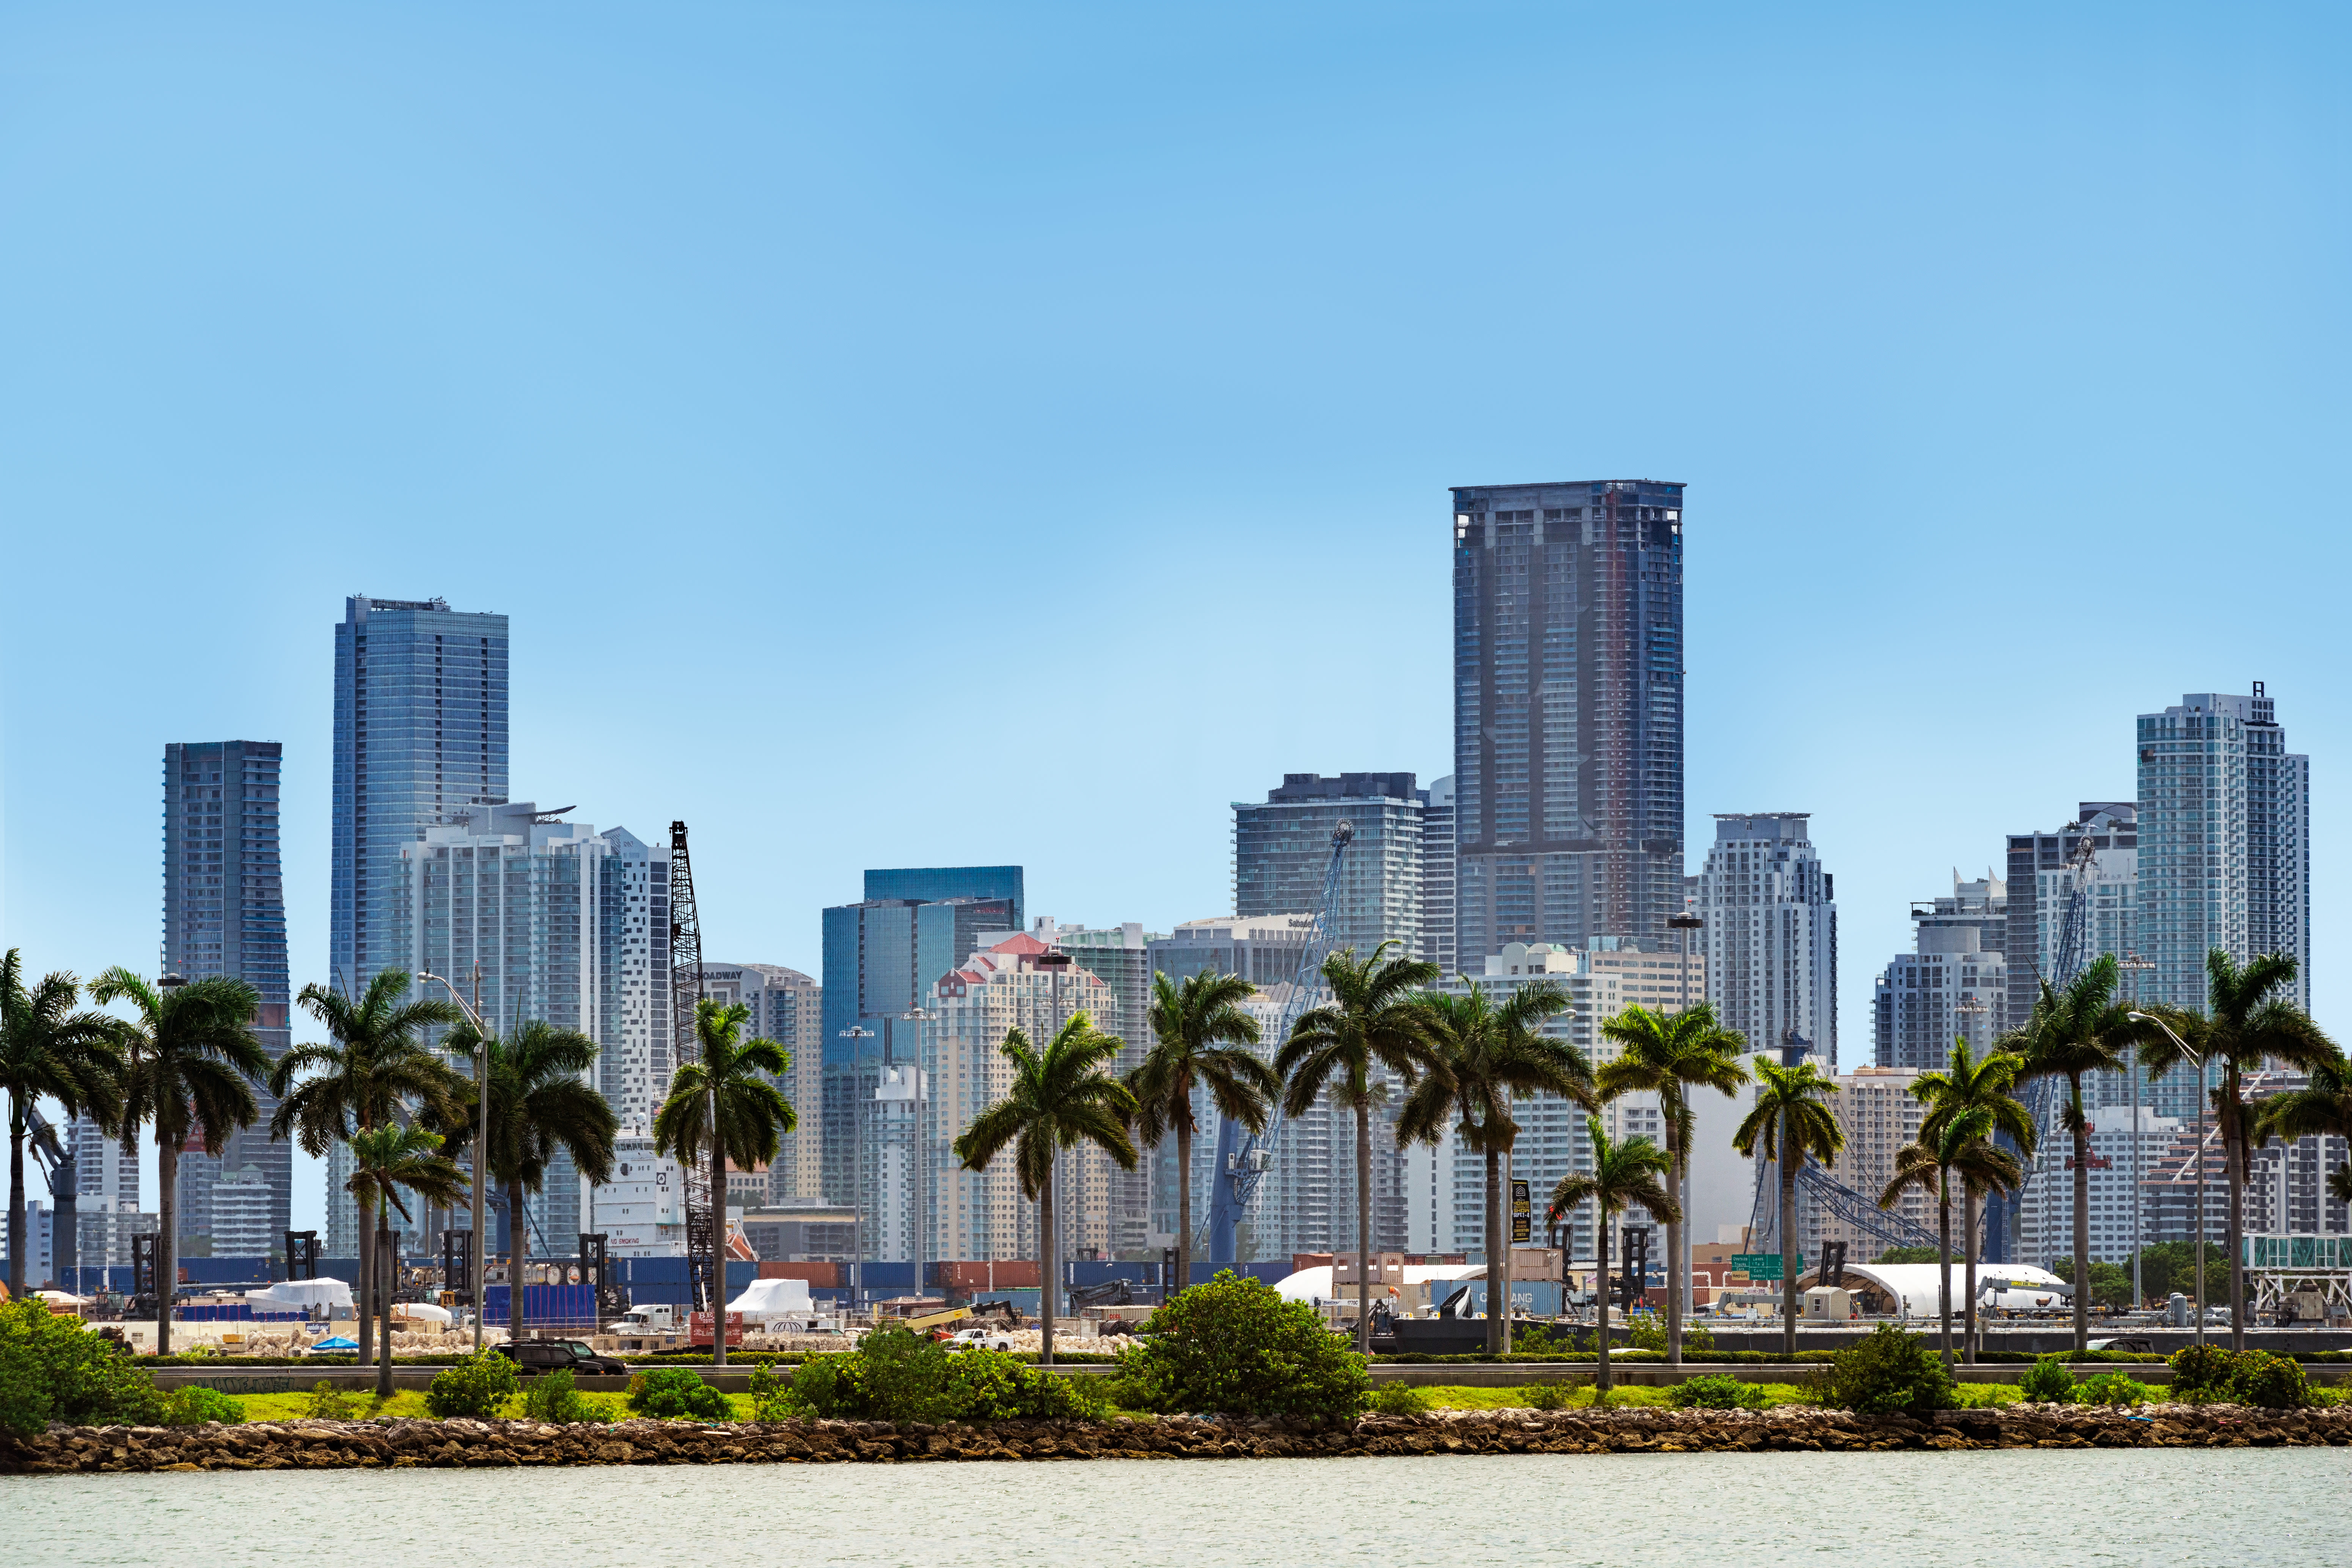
column 1789, row 1158
column 1046, row 1278
column 1969, row 1244
column 16, row 1200
column 2081, row 1226
column 2232, row 1159
column 1183, row 1214
column 1944, row 1258
column 386, row 1238
column 717, row 1247
column 1364, row 1254
column 516, row 1252
column 1674, row 1241
column 167, row 1240
column 1601, row 1297
column 1498, row 1289
column 1509, row 1159
column 366, row 1315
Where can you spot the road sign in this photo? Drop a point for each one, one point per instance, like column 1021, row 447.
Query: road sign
column 1762, row 1265
column 1523, row 1219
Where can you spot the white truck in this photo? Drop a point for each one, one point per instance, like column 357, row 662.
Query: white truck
column 646, row 1322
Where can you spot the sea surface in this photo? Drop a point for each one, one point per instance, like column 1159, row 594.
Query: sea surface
column 2186, row 1506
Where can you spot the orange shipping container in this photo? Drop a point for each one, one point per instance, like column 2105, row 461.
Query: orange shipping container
column 821, row 1275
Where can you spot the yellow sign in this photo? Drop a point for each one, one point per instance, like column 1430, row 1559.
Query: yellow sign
column 1523, row 1218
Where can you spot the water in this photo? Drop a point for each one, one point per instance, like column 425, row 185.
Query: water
column 2185, row 1507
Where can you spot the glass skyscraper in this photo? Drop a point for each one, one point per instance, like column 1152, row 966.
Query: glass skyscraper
column 420, row 733
column 225, row 913
column 2224, row 852
column 1282, row 855
column 1568, row 711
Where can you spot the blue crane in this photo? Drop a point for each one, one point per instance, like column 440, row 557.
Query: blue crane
column 1242, row 1156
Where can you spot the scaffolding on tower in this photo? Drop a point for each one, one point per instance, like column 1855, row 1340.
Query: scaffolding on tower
column 684, row 993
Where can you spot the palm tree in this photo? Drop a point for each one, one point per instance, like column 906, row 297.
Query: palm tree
column 2246, row 1023
column 1976, row 1083
column 1483, row 1057
column 2070, row 1033
column 2323, row 1109
column 1622, row 1174
column 384, row 1160
column 376, row 1066
column 48, row 1051
column 1927, row 1164
column 721, row 1108
column 1669, row 1054
column 189, row 1053
column 1376, row 1018
column 540, row 1105
column 1060, row 1098
column 1200, row 1036
column 1789, row 1115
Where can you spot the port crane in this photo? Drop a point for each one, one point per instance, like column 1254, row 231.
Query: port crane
column 685, row 994
column 1242, row 1156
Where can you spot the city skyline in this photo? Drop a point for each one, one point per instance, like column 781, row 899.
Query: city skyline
column 1193, row 352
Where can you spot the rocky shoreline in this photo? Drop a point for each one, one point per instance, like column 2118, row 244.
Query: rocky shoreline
column 473, row 1445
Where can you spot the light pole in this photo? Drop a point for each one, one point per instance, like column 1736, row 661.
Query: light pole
column 857, row 1036
column 2198, row 1245
column 2131, row 964
column 1686, row 923
column 481, row 1166
column 918, row 1147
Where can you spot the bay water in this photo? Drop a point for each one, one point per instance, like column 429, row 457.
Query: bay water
column 2167, row 1506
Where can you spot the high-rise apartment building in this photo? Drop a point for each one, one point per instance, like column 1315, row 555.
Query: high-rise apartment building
column 225, row 914
column 1282, row 855
column 882, row 956
column 787, row 1007
column 1120, row 957
column 1568, row 711
column 420, row 733
column 1954, row 984
column 2224, row 846
column 1770, row 936
column 107, row 1214
column 534, row 919
column 1437, row 870
column 1877, row 1113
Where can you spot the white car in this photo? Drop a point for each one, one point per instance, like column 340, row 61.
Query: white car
column 985, row 1338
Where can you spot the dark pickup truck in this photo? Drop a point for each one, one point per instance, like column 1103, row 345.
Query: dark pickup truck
column 533, row 1356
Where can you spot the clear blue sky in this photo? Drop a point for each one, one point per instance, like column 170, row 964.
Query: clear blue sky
column 910, row 435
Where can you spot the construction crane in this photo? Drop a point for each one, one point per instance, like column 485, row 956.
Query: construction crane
column 1823, row 1193
column 57, row 1168
column 1242, row 1156
column 684, row 993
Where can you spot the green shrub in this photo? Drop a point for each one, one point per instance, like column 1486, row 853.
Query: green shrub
column 1551, row 1395
column 2049, row 1380
column 1396, row 1399
column 1541, row 1340
column 552, row 1397
column 53, row 1369
column 2202, row 1370
column 477, row 1387
column 194, row 1406
column 1234, row 1347
column 1715, row 1392
column 896, row 1375
column 2272, row 1382
column 771, row 1395
column 671, row 1392
column 1648, row 1332
column 2113, row 1388
column 1889, row 1371
column 327, row 1404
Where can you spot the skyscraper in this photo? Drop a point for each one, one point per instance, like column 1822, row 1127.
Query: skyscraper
column 1568, row 711
column 2224, row 850
column 2099, row 850
column 225, row 913
column 787, row 1007
column 1437, row 917
column 1954, row 983
column 1770, row 936
column 882, row 955
column 1282, row 855
column 420, row 731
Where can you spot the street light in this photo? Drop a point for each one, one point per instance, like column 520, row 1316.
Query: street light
column 854, row 1034
column 2131, row 964
column 1686, row 923
column 481, row 1166
column 2199, row 1243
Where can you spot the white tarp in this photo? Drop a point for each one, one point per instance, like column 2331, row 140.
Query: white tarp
column 768, row 1299
column 302, row 1295
column 422, row 1312
column 1315, row 1284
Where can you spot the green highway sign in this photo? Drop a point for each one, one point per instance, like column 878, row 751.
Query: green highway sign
column 1762, row 1265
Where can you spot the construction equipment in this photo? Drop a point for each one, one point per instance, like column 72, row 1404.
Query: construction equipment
column 925, row 1322
column 1110, row 1293
column 685, row 996
column 1823, row 1192
column 1242, row 1156
column 57, row 1168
